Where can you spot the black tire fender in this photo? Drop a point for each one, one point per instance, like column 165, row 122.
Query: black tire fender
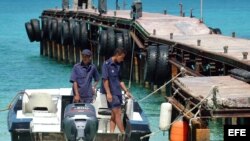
column 53, row 29
column 59, row 30
column 71, row 30
column 35, row 23
column 217, row 31
column 76, row 34
column 29, row 31
column 162, row 66
column 103, row 37
column 110, row 42
column 45, row 26
column 119, row 41
column 65, row 33
column 127, row 40
column 150, row 64
column 127, row 43
column 83, row 35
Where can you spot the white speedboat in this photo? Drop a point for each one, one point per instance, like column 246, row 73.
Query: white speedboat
column 50, row 115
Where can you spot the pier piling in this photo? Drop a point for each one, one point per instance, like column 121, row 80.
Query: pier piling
column 154, row 32
column 225, row 49
column 233, row 34
column 171, row 35
column 245, row 55
column 198, row 42
column 165, row 12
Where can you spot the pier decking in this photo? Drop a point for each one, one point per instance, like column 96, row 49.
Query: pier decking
column 186, row 32
column 231, row 99
column 191, row 43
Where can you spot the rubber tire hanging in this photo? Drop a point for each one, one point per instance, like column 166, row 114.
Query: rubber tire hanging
column 83, row 36
column 59, row 30
column 35, row 23
column 102, row 47
column 150, row 64
column 76, row 34
column 110, row 43
column 65, row 33
column 45, row 26
column 119, row 41
column 53, row 29
column 29, row 31
column 162, row 66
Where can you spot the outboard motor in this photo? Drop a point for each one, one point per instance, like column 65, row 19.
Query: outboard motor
column 80, row 122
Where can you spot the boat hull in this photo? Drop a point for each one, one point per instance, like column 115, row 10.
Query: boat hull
column 37, row 126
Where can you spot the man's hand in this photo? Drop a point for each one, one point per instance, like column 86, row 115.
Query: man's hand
column 94, row 94
column 94, row 90
column 109, row 97
column 77, row 98
column 128, row 94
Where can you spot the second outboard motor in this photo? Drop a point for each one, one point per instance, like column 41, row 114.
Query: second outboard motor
column 80, row 122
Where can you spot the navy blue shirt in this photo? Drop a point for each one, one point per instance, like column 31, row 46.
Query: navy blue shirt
column 111, row 72
column 83, row 75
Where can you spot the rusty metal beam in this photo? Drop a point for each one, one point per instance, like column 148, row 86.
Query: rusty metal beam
column 137, row 41
column 181, row 109
column 222, row 113
column 179, row 65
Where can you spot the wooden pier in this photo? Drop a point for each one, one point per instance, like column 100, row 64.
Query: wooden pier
column 226, row 97
column 162, row 44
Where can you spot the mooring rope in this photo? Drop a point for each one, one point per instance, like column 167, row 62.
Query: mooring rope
column 9, row 105
column 211, row 92
column 131, row 65
column 182, row 72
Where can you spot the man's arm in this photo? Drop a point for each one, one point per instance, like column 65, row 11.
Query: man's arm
column 107, row 89
column 95, row 84
column 94, row 87
column 77, row 95
column 73, row 78
column 125, row 89
column 96, row 78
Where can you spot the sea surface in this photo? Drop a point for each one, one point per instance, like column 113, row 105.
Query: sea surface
column 21, row 66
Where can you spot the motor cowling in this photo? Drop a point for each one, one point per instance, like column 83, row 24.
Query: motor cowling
column 80, row 122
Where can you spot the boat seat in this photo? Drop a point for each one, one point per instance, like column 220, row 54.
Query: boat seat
column 104, row 111
column 38, row 101
column 101, row 106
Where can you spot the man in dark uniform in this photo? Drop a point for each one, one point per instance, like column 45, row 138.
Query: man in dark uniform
column 82, row 76
column 112, row 86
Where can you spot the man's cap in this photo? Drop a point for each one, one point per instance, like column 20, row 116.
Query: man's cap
column 86, row 52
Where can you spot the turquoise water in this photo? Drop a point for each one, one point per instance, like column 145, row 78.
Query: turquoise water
column 22, row 67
